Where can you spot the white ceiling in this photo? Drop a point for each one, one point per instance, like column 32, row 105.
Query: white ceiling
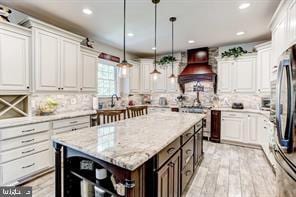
column 208, row 22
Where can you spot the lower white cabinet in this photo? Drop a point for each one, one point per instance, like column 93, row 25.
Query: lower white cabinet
column 240, row 127
column 232, row 127
column 23, row 167
column 27, row 150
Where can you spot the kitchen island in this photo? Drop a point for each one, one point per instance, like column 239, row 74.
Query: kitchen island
column 150, row 155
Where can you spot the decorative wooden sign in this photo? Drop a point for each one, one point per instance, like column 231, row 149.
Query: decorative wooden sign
column 112, row 58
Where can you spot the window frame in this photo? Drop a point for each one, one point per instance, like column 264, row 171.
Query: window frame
column 116, row 77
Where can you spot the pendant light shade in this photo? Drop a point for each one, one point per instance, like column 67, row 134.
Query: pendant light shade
column 173, row 76
column 124, row 65
column 155, row 72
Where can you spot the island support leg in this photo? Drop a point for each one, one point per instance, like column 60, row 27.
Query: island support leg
column 58, row 170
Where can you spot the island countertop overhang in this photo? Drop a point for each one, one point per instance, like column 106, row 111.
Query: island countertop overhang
column 130, row 143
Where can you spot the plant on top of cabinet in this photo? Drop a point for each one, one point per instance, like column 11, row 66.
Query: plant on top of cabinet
column 166, row 60
column 234, row 52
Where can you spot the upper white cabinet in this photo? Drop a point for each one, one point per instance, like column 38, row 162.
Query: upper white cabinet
column 134, row 78
column 264, row 67
column 244, row 75
column 172, row 86
column 14, row 57
column 225, row 76
column 146, row 69
column 141, row 81
column 89, row 62
column 47, row 60
column 56, row 57
column 237, row 75
column 70, row 55
column 159, row 85
column 292, row 22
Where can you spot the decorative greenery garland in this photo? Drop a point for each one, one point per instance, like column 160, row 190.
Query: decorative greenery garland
column 165, row 60
column 235, row 52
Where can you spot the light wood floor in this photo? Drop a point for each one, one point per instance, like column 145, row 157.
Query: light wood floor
column 226, row 171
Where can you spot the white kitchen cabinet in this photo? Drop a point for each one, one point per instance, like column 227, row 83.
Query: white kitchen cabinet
column 146, row 79
column 56, row 55
column 89, row 65
column 225, row 76
column 237, row 75
column 244, row 75
column 232, row 128
column 47, row 61
column 14, row 57
column 279, row 39
column 134, row 78
column 172, row 87
column 292, row 23
column 263, row 68
column 70, row 56
column 251, row 135
column 159, row 85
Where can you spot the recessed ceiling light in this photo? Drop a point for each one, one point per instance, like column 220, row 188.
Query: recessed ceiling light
column 130, row 34
column 244, row 6
column 153, row 48
column 87, row 11
column 191, row 41
column 240, row 33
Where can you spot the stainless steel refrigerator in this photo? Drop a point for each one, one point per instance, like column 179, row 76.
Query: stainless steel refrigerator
column 285, row 148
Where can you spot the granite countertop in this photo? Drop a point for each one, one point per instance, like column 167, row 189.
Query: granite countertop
column 36, row 119
column 257, row 111
column 130, row 143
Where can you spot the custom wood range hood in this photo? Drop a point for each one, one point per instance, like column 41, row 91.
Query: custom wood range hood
column 197, row 69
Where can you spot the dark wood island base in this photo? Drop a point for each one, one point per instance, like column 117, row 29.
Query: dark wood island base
column 167, row 174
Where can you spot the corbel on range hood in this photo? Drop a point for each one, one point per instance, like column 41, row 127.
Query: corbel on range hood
column 197, row 69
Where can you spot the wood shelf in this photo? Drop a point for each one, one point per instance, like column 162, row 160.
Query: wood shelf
column 12, row 106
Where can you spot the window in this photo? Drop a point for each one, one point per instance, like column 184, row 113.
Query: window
column 107, row 79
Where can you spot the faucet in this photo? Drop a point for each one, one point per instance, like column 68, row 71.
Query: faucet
column 112, row 101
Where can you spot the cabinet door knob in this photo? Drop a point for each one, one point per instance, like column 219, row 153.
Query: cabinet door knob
column 28, row 87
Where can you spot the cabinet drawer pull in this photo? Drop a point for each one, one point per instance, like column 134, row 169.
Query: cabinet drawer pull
column 171, row 164
column 73, row 122
column 26, row 141
column 188, row 134
column 188, row 172
column 188, row 151
column 264, row 127
column 28, row 166
column 29, row 130
column 28, row 151
column 187, row 160
column 171, row 150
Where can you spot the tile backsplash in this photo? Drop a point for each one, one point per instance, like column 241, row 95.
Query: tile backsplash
column 67, row 102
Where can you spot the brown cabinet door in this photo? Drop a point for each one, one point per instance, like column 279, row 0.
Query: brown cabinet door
column 215, row 125
column 168, row 178
column 198, row 152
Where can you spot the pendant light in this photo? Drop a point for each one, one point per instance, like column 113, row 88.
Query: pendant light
column 124, row 65
column 173, row 76
column 155, row 72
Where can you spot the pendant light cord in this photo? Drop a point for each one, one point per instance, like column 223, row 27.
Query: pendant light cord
column 172, row 47
column 155, row 26
column 124, row 18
